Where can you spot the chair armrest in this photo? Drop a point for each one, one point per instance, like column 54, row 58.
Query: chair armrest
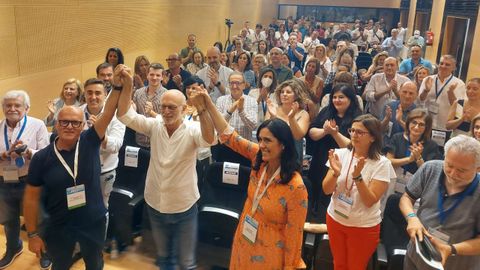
column 218, row 210
column 310, row 240
column 382, row 257
column 136, row 200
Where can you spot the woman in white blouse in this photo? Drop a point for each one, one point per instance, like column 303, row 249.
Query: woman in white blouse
column 357, row 179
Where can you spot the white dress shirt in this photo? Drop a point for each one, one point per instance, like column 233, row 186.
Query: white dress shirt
column 35, row 136
column 171, row 184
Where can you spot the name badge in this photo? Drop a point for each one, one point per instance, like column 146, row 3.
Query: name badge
column 131, row 156
column 440, row 137
column 10, row 174
column 389, row 129
column 437, row 233
column 76, row 197
column 250, row 229
column 343, row 205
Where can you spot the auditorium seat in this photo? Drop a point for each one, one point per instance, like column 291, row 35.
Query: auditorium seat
column 126, row 200
column 220, row 207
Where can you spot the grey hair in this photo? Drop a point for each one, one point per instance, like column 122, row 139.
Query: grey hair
column 13, row 94
column 237, row 73
column 465, row 144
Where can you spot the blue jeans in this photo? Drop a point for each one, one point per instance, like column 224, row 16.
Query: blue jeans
column 60, row 241
column 11, row 196
column 175, row 237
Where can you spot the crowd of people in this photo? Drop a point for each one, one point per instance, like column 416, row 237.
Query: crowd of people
column 331, row 118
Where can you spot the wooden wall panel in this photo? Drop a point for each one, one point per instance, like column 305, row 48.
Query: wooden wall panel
column 8, row 43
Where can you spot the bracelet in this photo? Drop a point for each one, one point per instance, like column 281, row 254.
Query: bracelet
column 32, row 234
column 357, row 178
column 118, row 87
column 410, row 215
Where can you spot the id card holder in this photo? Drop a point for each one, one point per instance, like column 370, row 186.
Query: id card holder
column 250, row 229
column 437, row 233
column 343, row 205
column 76, row 197
column 10, row 175
column 389, row 129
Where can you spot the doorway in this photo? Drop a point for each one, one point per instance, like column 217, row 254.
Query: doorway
column 455, row 35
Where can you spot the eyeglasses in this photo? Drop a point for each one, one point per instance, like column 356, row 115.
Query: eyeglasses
column 419, row 124
column 171, row 59
column 65, row 123
column 359, row 132
column 169, row 107
column 235, row 83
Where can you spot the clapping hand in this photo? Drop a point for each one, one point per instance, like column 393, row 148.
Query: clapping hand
column 295, row 109
column 240, row 104
column 399, row 114
column 330, row 127
column 51, row 106
column 272, row 108
column 357, row 170
column 335, row 163
column 428, row 83
column 388, row 113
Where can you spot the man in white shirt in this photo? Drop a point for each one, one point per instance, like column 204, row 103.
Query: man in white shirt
column 393, row 45
column 237, row 108
column 375, row 34
column 257, row 36
column 215, row 75
column 383, row 87
column 95, row 96
column 171, row 190
column 439, row 91
column 18, row 130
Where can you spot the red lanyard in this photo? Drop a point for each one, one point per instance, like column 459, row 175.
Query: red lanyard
column 348, row 190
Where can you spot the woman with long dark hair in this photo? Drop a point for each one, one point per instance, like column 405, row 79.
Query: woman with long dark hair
column 265, row 91
column 270, row 230
column 114, row 57
column 329, row 131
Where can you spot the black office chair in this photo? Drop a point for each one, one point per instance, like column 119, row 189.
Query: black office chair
column 220, row 208
column 393, row 234
column 364, row 60
column 126, row 200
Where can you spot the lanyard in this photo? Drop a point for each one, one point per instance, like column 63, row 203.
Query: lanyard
column 438, row 93
column 444, row 213
column 257, row 197
column 65, row 165
column 348, row 190
column 190, row 117
column 412, row 65
column 22, row 129
column 264, row 107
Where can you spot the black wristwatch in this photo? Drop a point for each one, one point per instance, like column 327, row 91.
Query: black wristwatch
column 118, row 87
column 218, row 84
column 453, row 250
column 32, row 234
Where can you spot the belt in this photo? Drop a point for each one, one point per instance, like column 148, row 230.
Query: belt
column 108, row 171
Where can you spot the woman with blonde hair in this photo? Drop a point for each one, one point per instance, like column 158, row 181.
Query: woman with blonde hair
column 420, row 73
column 141, row 71
column 71, row 95
column 291, row 101
column 376, row 66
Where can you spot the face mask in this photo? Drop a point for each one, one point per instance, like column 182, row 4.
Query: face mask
column 266, row 82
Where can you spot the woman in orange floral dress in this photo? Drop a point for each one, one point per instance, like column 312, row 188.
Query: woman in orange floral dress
column 270, row 230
